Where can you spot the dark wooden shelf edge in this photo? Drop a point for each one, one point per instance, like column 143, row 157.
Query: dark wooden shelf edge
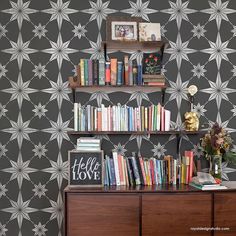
column 136, row 132
column 182, row 188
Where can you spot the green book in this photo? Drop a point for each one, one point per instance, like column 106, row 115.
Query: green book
column 86, row 73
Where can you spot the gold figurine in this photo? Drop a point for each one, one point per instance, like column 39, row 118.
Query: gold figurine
column 191, row 118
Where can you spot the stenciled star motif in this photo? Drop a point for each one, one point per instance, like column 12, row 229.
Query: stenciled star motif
column 218, row 11
column 99, row 11
column 56, row 210
column 232, row 110
column 20, row 51
column 39, row 110
column 59, row 51
column 20, row 90
column 39, row 150
column 58, row 170
column 3, row 31
column 139, row 139
column 198, row 70
column 199, row 109
column 39, row 71
column 59, row 11
column 179, row 11
column 198, row 31
column 139, row 96
column 39, row 190
column 226, row 170
column 79, row 31
column 3, row 191
column 197, row 150
column 20, row 170
column 234, row 70
column 3, row 150
column 58, row 90
column 3, row 229
column 3, row 71
column 96, row 50
column 179, row 51
column 234, row 31
column 39, row 31
column 20, row 130
column 158, row 150
column 39, row 229
column 58, row 130
column 178, row 90
column 99, row 96
column 218, row 51
column 19, row 210
column 163, row 30
column 120, row 149
column 139, row 9
column 20, row 11
column 3, row 110
column 218, row 90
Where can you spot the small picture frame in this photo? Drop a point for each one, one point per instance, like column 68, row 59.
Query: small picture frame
column 149, row 32
column 85, row 168
column 122, row 29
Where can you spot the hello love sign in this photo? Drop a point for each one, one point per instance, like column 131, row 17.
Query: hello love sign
column 85, row 168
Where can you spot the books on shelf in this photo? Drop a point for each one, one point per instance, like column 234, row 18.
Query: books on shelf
column 121, row 118
column 136, row 170
column 115, row 73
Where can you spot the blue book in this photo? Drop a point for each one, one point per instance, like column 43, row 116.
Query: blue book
column 113, row 174
column 108, row 170
column 105, row 172
column 140, row 75
column 120, row 73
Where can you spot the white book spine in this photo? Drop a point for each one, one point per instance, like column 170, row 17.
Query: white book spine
column 167, row 120
column 115, row 158
column 76, row 128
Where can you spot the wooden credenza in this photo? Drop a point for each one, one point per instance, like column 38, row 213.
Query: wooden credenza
column 149, row 211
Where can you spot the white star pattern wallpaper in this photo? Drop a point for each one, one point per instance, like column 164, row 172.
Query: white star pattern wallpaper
column 41, row 42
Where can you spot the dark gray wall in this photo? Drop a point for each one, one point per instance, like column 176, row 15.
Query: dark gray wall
column 34, row 143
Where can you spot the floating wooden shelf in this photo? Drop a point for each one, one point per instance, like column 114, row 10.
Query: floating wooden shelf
column 134, row 45
column 122, row 88
column 137, row 132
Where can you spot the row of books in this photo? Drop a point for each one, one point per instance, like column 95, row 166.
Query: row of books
column 133, row 170
column 121, row 118
column 88, row 144
column 114, row 72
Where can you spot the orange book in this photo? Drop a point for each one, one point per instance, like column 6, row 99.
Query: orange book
column 113, row 71
column 189, row 154
column 108, row 72
column 121, row 170
column 99, row 119
column 126, row 65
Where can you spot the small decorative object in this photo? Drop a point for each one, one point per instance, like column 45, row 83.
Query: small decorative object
column 217, row 145
column 122, row 29
column 85, row 168
column 191, row 118
column 191, row 121
column 149, row 32
column 152, row 64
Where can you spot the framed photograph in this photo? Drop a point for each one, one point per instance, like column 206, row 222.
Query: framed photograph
column 149, row 32
column 85, row 168
column 122, row 29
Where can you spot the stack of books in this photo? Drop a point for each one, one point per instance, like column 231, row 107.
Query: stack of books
column 88, row 144
column 121, row 118
column 154, row 80
column 205, row 181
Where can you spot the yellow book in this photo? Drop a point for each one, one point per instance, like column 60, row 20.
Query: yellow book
column 82, row 80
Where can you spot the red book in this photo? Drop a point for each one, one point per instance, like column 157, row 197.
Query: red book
column 108, row 73
column 99, row 119
column 152, row 171
column 121, row 170
column 190, row 155
column 143, row 171
column 162, row 119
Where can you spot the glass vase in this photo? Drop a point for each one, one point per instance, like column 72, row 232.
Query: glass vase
column 215, row 168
